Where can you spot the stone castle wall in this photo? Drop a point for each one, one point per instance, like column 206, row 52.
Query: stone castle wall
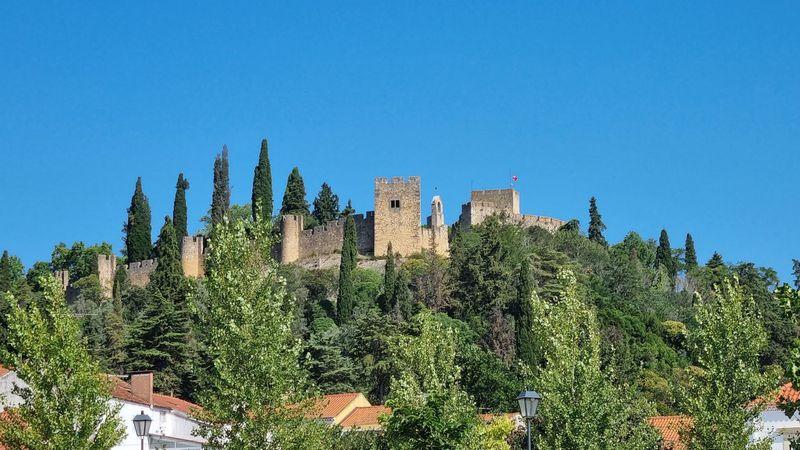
column 139, row 272
column 397, row 215
column 324, row 239
column 504, row 200
column 548, row 223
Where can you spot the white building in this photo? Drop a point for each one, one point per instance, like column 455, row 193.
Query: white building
column 172, row 427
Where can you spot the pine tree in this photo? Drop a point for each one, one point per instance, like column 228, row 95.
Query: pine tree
column 664, row 254
column 115, row 351
column 262, row 203
column 6, row 274
column 221, row 198
column 389, row 281
column 715, row 261
column 326, row 205
column 596, row 225
column 347, row 268
column 159, row 338
column 138, row 231
column 402, row 303
column 294, row 197
column 179, row 214
column 690, row 256
column 796, row 273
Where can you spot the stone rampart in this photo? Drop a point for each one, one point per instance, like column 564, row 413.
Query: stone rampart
column 548, row 223
column 139, row 272
column 193, row 256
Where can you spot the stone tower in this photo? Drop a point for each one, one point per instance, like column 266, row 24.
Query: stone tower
column 106, row 269
column 397, row 215
column 291, row 229
column 435, row 236
column 192, row 256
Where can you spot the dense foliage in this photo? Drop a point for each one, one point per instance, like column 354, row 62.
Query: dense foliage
column 179, row 214
column 221, row 196
column 137, row 229
column 261, row 198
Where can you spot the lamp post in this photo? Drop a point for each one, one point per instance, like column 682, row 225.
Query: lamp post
column 528, row 402
column 141, row 424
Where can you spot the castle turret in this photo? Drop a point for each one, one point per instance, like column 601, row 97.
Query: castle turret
column 106, row 268
column 192, row 248
column 291, row 227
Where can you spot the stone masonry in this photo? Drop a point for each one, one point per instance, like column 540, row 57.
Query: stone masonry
column 505, row 202
column 192, row 260
column 396, row 219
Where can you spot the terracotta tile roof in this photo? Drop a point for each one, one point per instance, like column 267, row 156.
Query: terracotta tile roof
column 787, row 393
column 670, row 428
column 365, row 416
column 3, row 371
column 488, row 417
column 123, row 391
column 332, row 405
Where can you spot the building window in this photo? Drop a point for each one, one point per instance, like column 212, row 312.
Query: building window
column 394, row 203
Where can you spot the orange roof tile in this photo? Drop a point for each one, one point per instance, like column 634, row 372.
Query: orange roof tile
column 123, row 391
column 332, row 405
column 787, row 393
column 670, row 428
column 488, row 417
column 365, row 416
column 4, row 370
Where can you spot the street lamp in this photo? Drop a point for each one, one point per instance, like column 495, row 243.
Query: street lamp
column 141, row 424
column 528, row 402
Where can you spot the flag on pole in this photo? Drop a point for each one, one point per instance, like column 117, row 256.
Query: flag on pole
column 514, row 178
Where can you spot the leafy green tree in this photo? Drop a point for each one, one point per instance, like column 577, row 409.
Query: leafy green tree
column 115, row 352
column 294, row 197
column 221, row 197
column 262, row 186
column 727, row 343
column 429, row 409
column 402, row 303
column 138, row 232
column 326, row 205
column 345, row 301
column 596, row 225
column 159, row 336
column 179, row 213
column 689, row 256
column 79, row 259
column 38, row 269
column 255, row 371
column 389, row 281
column 68, row 400
column 236, row 213
column 583, row 409
column 366, row 341
column 664, row 256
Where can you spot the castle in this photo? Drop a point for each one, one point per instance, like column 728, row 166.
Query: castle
column 396, row 219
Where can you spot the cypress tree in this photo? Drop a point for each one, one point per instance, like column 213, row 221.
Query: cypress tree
column 326, row 205
column 347, row 268
column 690, row 256
column 596, row 225
column 664, row 254
column 179, row 209
column 524, row 315
column 6, row 274
column 389, row 281
column 294, row 197
column 221, row 198
column 796, row 273
column 160, row 334
column 138, row 231
column 348, row 210
column 262, row 203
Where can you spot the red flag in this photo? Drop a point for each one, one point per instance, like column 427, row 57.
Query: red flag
column 515, row 178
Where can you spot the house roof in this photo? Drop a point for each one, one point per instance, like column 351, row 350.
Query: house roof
column 670, row 428
column 365, row 416
column 332, row 405
column 122, row 390
column 4, row 370
column 787, row 393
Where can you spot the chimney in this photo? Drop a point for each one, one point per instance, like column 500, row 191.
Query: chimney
column 142, row 386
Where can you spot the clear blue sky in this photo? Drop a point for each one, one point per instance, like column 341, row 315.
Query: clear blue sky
column 682, row 115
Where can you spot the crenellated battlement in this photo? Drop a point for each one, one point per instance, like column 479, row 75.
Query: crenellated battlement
column 397, row 180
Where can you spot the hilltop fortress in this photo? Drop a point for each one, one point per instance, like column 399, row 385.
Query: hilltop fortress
column 396, row 218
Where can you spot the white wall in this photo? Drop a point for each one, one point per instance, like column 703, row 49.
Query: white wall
column 166, row 423
column 7, row 382
column 776, row 426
